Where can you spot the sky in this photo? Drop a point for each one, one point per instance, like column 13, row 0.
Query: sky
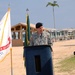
column 38, row 12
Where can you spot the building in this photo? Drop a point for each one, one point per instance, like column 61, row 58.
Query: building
column 18, row 33
column 63, row 34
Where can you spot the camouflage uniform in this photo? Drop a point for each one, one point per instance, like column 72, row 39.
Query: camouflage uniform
column 43, row 39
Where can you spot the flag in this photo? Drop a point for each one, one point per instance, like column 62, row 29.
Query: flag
column 5, row 35
column 27, row 33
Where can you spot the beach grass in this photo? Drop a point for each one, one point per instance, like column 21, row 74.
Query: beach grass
column 67, row 65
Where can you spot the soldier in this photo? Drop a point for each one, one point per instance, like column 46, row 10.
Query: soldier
column 41, row 37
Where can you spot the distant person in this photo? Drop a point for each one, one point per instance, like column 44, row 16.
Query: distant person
column 40, row 37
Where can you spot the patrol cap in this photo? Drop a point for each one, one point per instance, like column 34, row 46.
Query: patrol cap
column 38, row 25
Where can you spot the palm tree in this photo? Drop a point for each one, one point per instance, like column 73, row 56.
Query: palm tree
column 53, row 5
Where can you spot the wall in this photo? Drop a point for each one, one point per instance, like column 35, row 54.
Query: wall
column 17, row 42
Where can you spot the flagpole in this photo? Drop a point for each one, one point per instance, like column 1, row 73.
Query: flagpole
column 10, row 50
column 11, row 61
column 26, row 42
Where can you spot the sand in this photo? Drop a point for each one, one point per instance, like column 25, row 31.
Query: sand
column 61, row 50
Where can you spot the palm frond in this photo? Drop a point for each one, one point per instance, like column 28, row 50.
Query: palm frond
column 55, row 2
column 49, row 3
column 52, row 4
column 56, row 5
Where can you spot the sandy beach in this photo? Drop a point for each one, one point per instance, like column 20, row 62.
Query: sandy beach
column 61, row 50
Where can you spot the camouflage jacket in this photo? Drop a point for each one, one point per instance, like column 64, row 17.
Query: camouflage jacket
column 43, row 39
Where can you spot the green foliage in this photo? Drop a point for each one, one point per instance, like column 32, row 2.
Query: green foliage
column 52, row 4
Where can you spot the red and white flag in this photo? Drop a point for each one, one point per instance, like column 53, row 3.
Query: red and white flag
column 5, row 35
